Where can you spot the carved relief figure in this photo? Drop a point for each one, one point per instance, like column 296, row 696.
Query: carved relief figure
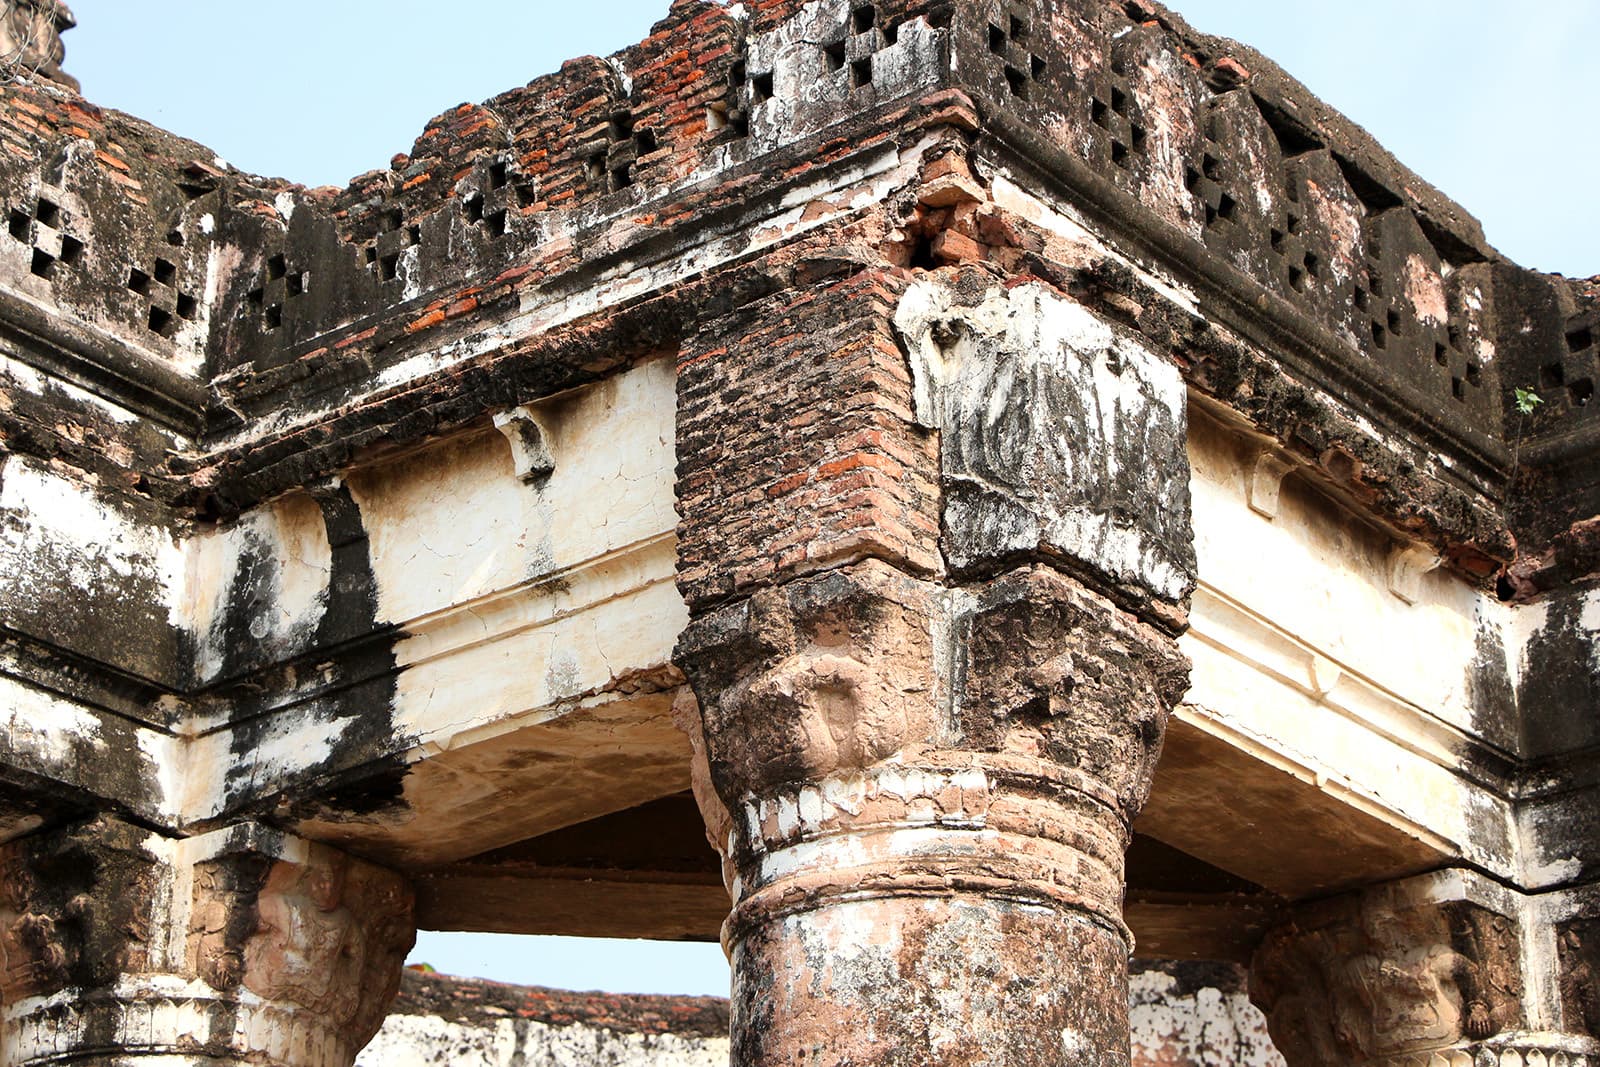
column 33, row 957
column 330, row 936
column 831, row 681
column 386, row 935
column 30, row 38
column 1383, row 978
column 1418, row 989
column 1580, row 974
column 223, row 918
column 305, row 932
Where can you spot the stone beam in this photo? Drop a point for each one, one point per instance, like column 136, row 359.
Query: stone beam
column 648, row 872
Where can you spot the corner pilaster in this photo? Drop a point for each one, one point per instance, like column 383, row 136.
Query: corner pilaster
column 241, row 946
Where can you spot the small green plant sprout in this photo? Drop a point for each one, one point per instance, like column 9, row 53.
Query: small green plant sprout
column 1527, row 400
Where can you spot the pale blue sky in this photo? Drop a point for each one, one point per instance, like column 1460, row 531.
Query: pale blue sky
column 1490, row 103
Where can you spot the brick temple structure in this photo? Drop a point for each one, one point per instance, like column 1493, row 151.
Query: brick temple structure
column 1026, row 482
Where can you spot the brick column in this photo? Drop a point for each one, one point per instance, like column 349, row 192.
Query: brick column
column 1442, row 970
column 240, row 947
column 920, row 755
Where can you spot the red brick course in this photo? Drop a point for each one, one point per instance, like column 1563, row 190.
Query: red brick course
column 797, row 444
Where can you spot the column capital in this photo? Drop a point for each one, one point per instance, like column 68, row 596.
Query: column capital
column 931, row 783
column 1425, row 972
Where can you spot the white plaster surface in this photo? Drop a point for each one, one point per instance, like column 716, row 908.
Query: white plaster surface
column 1323, row 575
column 518, row 595
column 458, row 524
column 430, row 1041
column 1205, row 1027
column 1302, row 651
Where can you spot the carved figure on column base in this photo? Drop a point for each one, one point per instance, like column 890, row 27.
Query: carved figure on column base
column 1378, row 978
column 1579, row 948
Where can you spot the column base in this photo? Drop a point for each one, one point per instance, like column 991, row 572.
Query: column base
column 159, row 1019
column 1515, row 1049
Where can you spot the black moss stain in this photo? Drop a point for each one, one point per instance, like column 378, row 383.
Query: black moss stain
column 1565, row 826
column 57, row 590
column 355, row 654
column 1192, row 977
column 1489, row 690
column 239, row 879
column 252, row 595
column 1560, row 689
column 375, row 789
column 107, row 765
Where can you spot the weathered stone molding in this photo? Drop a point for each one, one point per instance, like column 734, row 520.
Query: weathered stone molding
column 1564, row 942
column 157, row 1022
column 1043, row 410
column 241, row 944
column 1507, row 1050
column 938, row 282
column 941, row 824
